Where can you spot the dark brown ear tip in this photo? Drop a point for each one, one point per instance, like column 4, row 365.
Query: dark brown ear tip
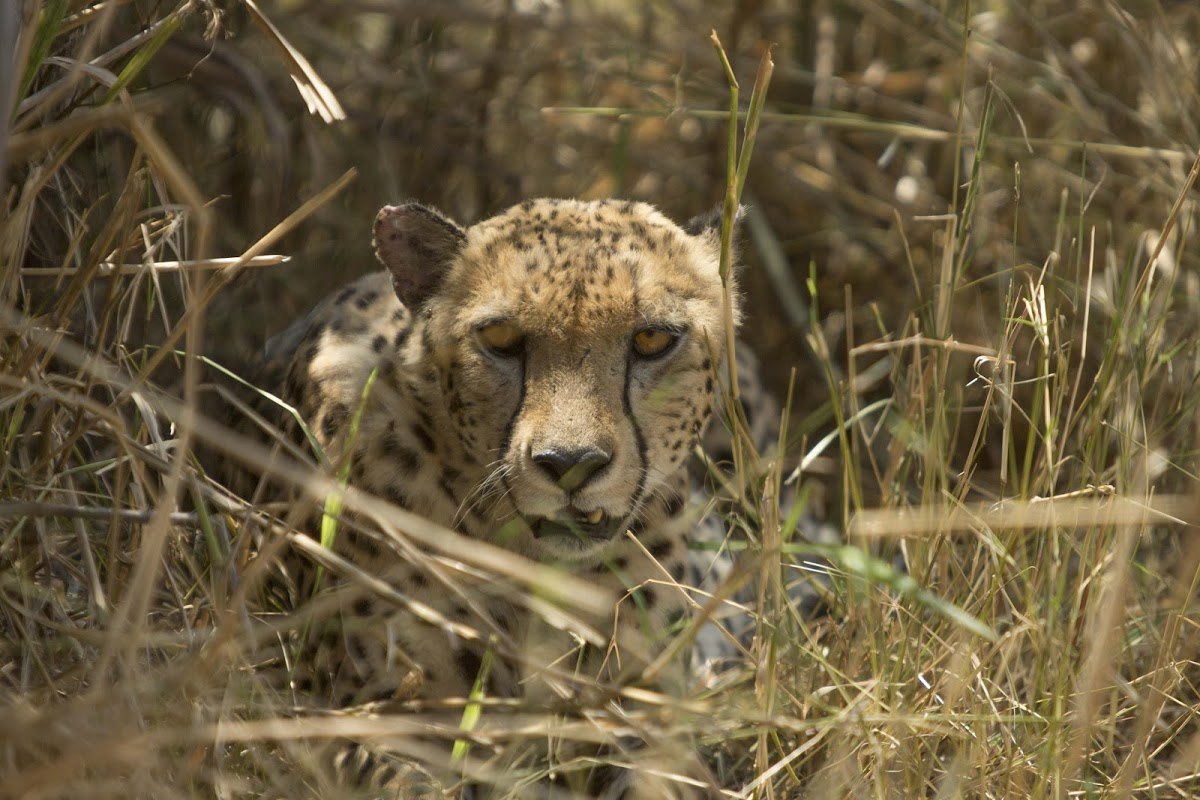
column 711, row 221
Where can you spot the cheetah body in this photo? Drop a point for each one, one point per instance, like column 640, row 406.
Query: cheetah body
column 398, row 382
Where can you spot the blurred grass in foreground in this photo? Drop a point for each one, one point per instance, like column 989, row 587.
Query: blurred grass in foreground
column 974, row 252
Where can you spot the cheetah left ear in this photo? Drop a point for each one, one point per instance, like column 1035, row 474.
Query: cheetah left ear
column 418, row 245
column 710, row 222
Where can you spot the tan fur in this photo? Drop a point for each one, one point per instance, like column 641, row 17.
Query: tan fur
column 451, row 431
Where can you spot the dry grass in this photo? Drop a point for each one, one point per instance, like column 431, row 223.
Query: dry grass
column 994, row 349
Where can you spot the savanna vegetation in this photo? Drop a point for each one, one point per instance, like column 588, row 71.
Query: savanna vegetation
column 969, row 267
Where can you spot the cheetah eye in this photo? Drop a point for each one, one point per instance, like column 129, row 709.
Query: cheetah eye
column 654, row 342
column 501, row 338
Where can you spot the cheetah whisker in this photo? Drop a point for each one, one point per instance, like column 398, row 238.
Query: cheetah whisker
column 486, row 489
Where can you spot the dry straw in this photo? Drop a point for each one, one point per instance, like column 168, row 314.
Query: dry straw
column 981, row 223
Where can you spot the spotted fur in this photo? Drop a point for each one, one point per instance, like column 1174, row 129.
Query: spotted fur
column 490, row 442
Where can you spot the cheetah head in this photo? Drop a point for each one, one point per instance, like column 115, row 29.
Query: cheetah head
column 574, row 344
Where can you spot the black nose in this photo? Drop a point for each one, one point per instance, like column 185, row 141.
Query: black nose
column 571, row 469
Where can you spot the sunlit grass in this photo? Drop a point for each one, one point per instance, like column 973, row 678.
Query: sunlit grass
column 995, row 404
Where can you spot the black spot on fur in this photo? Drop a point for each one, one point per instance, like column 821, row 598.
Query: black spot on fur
column 364, row 301
column 335, row 418
column 367, row 764
column 378, row 343
column 367, row 546
column 384, row 774
column 364, row 607
column 409, row 461
column 424, row 437
column 295, row 384
column 469, row 663
column 749, row 412
column 674, row 505
column 344, row 295
column 449, row 477
column 677, row 619
column 397, row 496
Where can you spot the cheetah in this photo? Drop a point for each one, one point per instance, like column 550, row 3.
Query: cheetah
column 537, row 380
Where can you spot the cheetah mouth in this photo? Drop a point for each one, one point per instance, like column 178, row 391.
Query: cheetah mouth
column 575, row 524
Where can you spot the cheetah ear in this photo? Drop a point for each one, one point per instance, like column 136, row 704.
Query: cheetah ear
column 417, row 245
column 710, row 222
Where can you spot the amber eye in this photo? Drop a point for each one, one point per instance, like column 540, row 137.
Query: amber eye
column 501, row 338
column 651, row 342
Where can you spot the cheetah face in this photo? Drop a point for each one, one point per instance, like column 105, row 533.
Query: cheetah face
column 574, row 343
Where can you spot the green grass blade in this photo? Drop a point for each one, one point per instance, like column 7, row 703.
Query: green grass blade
column 47, row 30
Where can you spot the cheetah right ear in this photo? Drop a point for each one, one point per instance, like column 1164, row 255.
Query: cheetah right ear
column 417, row 245
column 709, row 223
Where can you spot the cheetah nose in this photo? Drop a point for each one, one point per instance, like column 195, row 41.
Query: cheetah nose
column 571, row 469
